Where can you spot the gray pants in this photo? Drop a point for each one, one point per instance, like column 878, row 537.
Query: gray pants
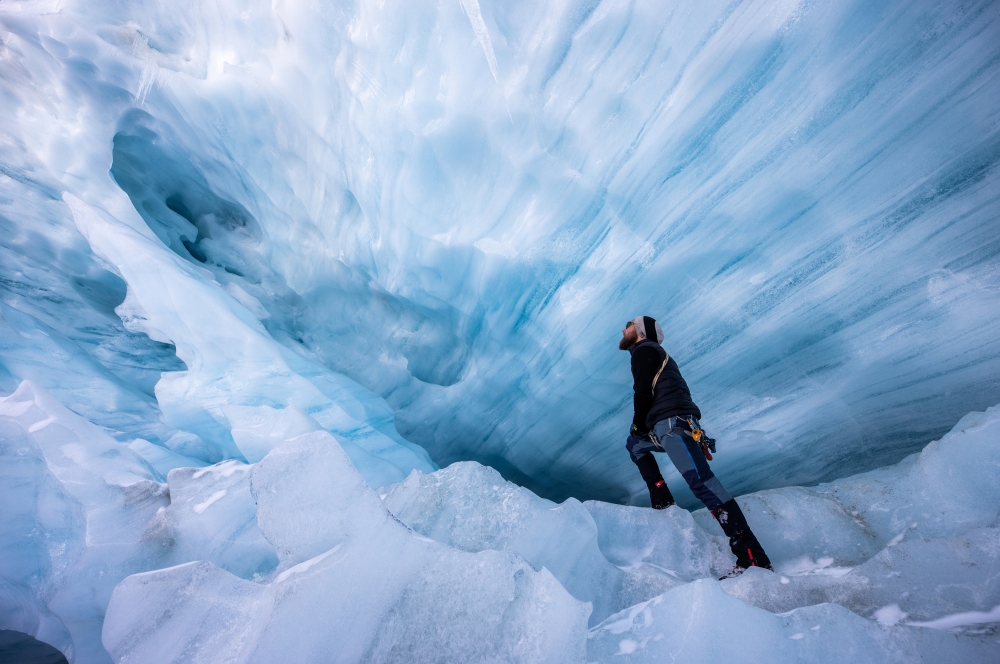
column 686, row 455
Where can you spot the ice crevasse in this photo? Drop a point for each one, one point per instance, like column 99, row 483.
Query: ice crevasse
column 308, row 315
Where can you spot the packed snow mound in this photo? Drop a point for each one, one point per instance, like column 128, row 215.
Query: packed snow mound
column 297, row 556
column 456, row 206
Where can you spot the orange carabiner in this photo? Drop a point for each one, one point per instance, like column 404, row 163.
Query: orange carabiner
column 695, row 432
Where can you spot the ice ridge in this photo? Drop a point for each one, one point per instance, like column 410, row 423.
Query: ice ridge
column 296, row 555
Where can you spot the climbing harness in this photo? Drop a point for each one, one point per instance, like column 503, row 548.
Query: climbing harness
column 697, row 433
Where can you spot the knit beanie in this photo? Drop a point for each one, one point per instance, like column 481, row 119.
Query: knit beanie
column 648, row 328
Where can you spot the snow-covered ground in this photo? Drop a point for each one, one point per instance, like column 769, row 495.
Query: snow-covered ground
column 291, row 292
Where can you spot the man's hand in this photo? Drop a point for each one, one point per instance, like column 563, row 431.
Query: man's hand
column 638, row 433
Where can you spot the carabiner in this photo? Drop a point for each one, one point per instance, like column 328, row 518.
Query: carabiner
column 696, row 433
column 656, row 441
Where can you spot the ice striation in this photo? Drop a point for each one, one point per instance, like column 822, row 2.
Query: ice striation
column 457, row 207
column 308, row 316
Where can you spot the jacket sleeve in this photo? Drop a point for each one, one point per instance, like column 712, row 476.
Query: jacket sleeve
column 645, row 363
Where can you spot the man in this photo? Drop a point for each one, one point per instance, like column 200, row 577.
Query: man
column 666, row 420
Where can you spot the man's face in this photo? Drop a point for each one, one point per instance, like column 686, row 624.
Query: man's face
column 629, row 337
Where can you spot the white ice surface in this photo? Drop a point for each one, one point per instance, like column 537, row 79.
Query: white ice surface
column 296, row 556
column 912, row 545
column 82, row 511
column 356, row 585
column 472, row 508
column 684, row 625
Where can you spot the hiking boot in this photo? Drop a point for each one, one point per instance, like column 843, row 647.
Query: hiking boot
column 659, row 496
column 733, row 573
column 742, row 541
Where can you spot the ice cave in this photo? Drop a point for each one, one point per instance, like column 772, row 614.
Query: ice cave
column 310, row 316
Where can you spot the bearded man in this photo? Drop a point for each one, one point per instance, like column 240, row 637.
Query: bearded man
column 666, row 420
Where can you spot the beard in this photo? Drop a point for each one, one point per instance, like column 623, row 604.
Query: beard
column 628, row 340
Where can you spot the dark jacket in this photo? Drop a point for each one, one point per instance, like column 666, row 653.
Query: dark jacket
column 672, row 396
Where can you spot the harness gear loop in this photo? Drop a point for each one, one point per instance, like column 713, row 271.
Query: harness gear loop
column 656, row 441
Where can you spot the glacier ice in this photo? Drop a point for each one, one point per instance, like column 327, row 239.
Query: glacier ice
column 470, row 507
column 231, row 359
column 264, row 266
column 78, row 502
column 354, row 585
column 82, row 511
column 660, row 629
column 460, row 207
column 920, row 537
column 297, row 555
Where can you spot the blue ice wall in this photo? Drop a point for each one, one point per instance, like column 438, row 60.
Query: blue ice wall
column 458, row 205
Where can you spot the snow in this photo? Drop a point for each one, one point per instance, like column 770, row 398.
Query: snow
column 201, row 507
column 308, row 315
column 963, row 619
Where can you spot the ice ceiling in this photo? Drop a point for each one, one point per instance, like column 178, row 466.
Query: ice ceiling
column 455, row 206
